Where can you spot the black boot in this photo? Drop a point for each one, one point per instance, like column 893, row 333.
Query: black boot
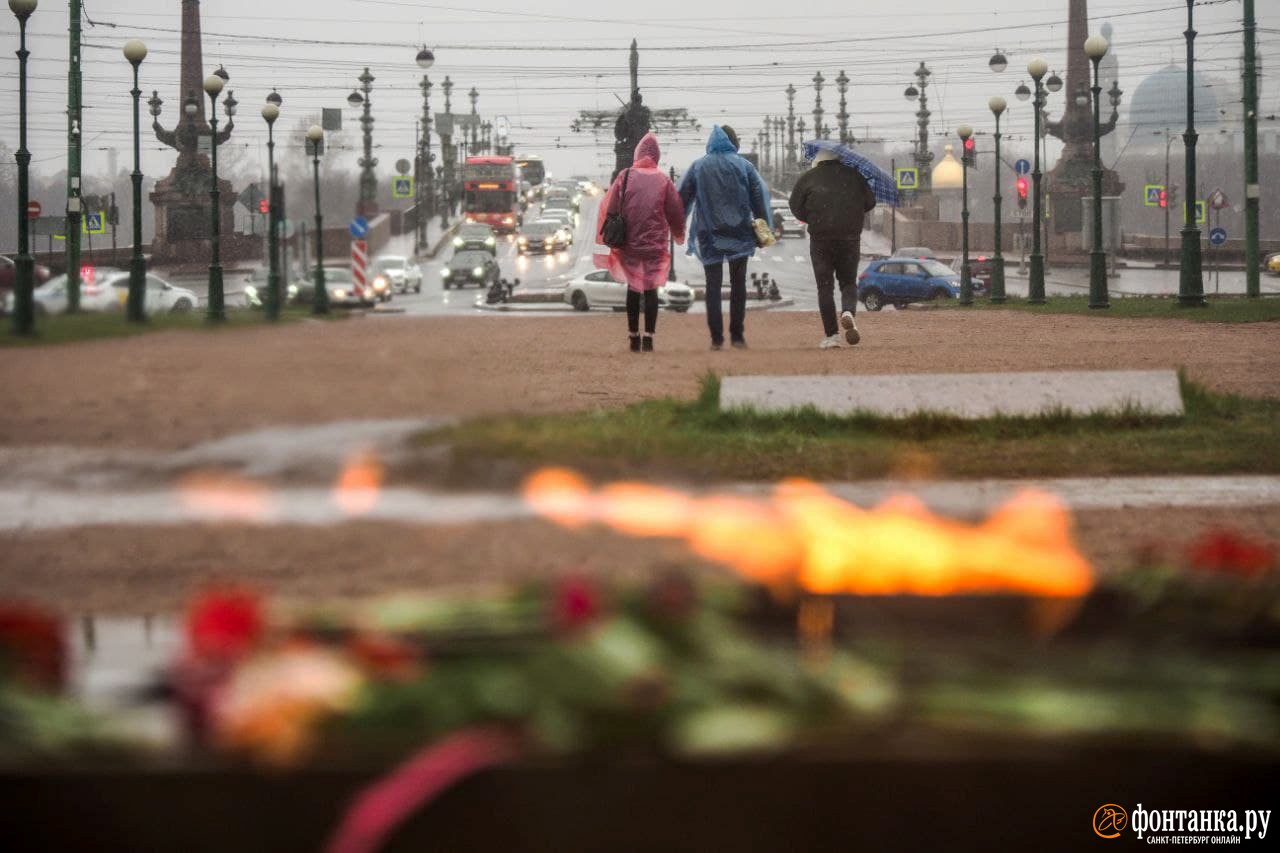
column 648, row 343
column 635, row 343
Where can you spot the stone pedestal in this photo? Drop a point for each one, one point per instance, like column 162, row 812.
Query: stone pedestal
column 182, row 213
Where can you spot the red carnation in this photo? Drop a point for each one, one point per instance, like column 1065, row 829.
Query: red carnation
column 224, row 624
column 576, row 603
column 33, row 646
column 1229, row 552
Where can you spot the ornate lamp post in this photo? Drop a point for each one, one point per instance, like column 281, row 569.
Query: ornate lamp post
column 791, row 126
column 1037, row 68
column 24, row 265
column 1095, row 48
column 965, row 132
column 1191, row 276
column 271, row 112
column 368, row 205
column 213, row 85
column 923, row 156
column 997, row 105
column 424, row 185
column 818, row 80
column 447, row 155
column 842, row 117
column 315, row 140
column 135, row 309
column 474, row 125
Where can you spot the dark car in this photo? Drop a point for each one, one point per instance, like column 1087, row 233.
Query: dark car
column 981, row 268
column 541, row 238
column 475, row 235
column 8, row 277
column 900, row 281
column 470, row 267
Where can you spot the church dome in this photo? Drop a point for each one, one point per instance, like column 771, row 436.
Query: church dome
column 949, row 174
column 1161, row 100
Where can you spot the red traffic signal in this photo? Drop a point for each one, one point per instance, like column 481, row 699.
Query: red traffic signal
column 1022, row 188
column 970, row 156
column 264, row 207
column 1164, row 198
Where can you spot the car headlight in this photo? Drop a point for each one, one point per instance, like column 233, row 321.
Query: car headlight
column 444, row 273
column 379, row 283
column 478, row 272
column 293, row 290
column 339, row 294
column 250, row 291
column 524, row 241
column 489, row 241
column 458, row 242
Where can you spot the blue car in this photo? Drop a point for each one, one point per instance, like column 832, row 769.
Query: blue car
column 899, row 281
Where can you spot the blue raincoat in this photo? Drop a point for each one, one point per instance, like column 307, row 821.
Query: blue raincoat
column 723, row 193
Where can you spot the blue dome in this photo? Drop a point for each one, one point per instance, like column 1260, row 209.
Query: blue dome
column 1161, row 100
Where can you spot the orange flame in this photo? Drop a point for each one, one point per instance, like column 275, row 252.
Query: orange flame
column 360, row 483
column 802, row 535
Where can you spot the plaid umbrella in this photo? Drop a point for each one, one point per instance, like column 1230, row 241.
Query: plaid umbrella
column 882, row 184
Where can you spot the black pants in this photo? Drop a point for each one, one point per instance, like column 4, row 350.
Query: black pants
column 650, row 299
column 737, row 300
column 835, row 259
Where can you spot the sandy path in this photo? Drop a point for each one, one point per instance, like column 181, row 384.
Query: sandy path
column 172, row 389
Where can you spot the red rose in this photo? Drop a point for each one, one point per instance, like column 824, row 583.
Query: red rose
column 1229, row 552
column 576, row 603
column 224, row 624
column 33, row 646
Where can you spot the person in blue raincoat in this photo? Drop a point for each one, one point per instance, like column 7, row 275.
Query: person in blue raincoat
column 724, row 194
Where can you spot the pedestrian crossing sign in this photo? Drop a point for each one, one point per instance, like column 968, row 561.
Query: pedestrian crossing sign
column 1153, row 194
column 1202, row 212
column 402, row 187
column 94, row 224
column 908, row 179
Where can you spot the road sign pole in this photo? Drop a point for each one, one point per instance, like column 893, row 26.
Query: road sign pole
column 997, row 269
column 1252, row 191
column 1191, row 270
column 136, row 305
column 75, row 133
column 893, row 217
column 24, row 264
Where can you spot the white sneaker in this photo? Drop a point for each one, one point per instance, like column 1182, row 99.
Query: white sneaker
column 850, row 328
column 832, row 342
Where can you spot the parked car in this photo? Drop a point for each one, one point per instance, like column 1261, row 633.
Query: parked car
column 402, row 274
column 343, row 292
column 543, row 237
column 9, row 275
column 785, row 223
column 470, row 267
column 918, row 252
column 1273, row 264
column 108, row 290
column 598, row 289
column 981, row 268
column 475, row 235
column 899, row 281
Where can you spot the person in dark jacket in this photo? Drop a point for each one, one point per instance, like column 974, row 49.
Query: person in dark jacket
column 833, row 200
column 723, row 193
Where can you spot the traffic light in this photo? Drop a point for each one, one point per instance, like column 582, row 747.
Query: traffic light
column 1023, row 186
column 1164, row 198
column 971, row 153
column 1171, row 196
column 264, row 207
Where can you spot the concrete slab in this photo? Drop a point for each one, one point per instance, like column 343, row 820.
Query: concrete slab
column 963, row 395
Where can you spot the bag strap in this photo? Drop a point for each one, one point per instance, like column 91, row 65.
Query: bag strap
column 622, row 196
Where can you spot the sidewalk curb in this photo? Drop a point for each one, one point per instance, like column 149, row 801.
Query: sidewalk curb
column 431, row 253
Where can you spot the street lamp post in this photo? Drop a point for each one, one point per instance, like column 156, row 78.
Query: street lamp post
column 24, row 265
column 424, row 186
column 965, row 132
column 923, row 157
column 135, row 51
column 1037, row 68
column 1191, row 275
column 1096, row 48
column 818, row 130
column 216, row 313
column 842, row 117
column 271, row 112
column 671, row 236
column 368, row 205
column 320, row 304
column 791, row 127
column 997, row 105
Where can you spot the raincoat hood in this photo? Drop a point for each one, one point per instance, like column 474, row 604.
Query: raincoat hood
column 648, row 149
column 719, row 142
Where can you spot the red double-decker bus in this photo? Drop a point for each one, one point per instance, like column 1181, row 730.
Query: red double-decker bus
column 491, row 192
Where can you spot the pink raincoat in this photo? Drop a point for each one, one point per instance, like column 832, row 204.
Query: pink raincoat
column 653, row 212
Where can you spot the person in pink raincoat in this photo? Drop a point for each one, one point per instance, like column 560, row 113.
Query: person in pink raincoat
column 653, row 212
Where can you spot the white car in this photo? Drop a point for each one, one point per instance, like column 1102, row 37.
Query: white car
column 598, row 290
column 402, row 274
column 564, row 232
column 108, row 290
column 342, row 291
column 784, row 222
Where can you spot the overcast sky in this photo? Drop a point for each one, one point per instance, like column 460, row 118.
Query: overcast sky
column 726, row 60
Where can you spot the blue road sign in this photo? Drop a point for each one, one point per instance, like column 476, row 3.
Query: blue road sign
column 1022, row 167
column 1218, row 237
column 93, row 224
column 359, row 228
